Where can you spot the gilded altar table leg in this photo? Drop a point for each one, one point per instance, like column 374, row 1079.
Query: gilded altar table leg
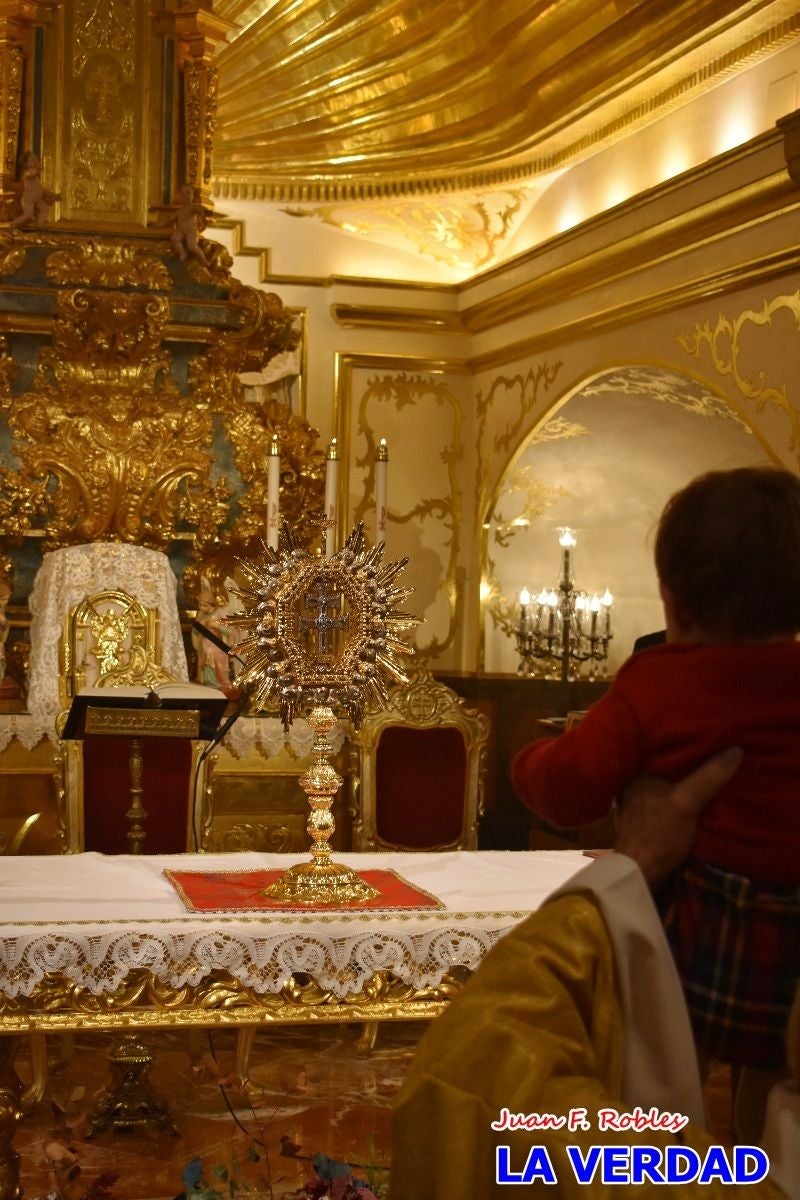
column 245, row 1040
column 38, row 1051
column 10, row 1113
column 366, row 1042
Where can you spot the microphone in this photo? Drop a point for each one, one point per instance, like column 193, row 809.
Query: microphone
column 215, row 640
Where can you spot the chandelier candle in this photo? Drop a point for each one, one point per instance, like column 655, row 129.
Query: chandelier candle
column 568, row 631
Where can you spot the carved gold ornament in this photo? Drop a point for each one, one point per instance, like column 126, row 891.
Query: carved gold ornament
column 110, row 265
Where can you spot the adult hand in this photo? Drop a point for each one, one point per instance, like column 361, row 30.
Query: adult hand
column 657, row 820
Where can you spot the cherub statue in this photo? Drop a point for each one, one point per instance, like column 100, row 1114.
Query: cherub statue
column 189, row 224
column 34, row 199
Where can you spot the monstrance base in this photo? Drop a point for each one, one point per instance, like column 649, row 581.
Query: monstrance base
column 321, row 883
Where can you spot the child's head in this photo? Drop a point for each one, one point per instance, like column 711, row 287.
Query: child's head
column 728, row 555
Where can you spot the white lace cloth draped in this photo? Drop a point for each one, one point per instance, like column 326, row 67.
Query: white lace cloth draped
column 94, row 919
column 68, row 576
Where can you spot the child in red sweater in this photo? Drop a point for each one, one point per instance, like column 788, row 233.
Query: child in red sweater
column 728, row 561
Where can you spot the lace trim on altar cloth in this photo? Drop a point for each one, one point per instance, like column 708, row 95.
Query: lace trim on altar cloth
column 264, row 962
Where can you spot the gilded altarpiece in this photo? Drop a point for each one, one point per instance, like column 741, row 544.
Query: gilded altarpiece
column 123, row 334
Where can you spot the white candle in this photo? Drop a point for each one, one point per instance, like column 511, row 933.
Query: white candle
column 381, row 474
column 273, row 492
column 524, row 601
column 607, row 600
column 594, row 607
column 567, row 541
column 331, row 482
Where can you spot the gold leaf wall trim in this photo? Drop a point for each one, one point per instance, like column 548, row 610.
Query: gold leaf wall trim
column 403, row 391
column 612, row 258
column 725, row 345
column 632, row 312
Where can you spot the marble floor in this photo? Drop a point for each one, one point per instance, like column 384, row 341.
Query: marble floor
column 315, row 1096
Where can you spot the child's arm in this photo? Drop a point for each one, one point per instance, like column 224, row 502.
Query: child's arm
column 573, row 779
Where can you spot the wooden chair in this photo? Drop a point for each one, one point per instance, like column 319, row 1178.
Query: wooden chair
column 417, row 771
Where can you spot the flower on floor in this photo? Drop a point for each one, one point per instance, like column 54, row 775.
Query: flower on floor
column 336, row 1181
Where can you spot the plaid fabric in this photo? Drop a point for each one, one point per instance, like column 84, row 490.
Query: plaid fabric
column 737, row 950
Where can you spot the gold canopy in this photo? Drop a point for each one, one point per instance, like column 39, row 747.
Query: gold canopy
column 350, row 99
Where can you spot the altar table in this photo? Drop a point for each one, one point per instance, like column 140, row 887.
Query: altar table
column 95, row 942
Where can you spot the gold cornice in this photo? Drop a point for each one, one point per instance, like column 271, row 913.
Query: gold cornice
column 363, row 281
column 656, row 196
column 659, row 243
column 362, row 316
column 702, row 287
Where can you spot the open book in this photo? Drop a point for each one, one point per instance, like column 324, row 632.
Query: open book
column 210, row 702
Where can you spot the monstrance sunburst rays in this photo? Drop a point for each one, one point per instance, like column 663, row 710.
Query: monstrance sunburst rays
column 321, row 633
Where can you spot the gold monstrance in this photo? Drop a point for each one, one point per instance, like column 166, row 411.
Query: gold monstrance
column 322, row 633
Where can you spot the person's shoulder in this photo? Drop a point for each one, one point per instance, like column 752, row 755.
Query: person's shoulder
column 657, row 660
column 657, row 638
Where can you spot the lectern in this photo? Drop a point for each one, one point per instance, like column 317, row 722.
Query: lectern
column 172, row 711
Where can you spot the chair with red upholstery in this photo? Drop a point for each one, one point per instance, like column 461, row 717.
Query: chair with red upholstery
column 418, row 775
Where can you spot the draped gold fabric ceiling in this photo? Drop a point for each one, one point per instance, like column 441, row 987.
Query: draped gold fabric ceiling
column 337, row 99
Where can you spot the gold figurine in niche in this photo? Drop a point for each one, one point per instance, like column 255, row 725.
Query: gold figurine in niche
column 34, row 199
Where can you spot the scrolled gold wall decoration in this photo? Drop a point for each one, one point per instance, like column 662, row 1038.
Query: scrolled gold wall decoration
column 444, row 511
column 725, row 345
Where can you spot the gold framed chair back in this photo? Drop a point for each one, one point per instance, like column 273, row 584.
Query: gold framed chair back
column 417, row 772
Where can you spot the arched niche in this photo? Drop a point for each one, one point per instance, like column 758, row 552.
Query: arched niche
column 603, row 461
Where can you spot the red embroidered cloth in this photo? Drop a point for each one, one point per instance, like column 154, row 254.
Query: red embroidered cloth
column 237, row 891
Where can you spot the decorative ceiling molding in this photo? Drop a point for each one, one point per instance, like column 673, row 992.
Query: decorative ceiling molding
column 324, row 102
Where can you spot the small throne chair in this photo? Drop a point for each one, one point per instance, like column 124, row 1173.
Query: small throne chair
column 106, row 615
column 417, row 777
column 417, row 773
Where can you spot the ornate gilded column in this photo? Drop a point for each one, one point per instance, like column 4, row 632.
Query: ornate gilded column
column 19, row 22
column 196, row 32
column 131, row 116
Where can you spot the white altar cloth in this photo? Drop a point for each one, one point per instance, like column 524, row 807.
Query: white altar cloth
column 95, row 918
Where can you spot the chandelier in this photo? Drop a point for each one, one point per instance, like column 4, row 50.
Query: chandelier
column 563, row 629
